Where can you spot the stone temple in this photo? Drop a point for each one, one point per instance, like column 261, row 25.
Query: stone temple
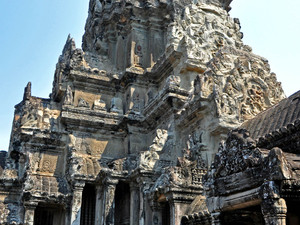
column 163, row 117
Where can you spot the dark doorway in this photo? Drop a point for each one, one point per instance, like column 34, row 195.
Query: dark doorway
column 43, row 216
column 88, row 205
column 49, row 215
column 166, row 214
column 246, row 216
column 122, row 204
column 292, row 217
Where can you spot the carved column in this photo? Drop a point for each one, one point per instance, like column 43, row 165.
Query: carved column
column 29, row 213
column 216, row 218
column 109, row 202
column 134, row 204
column 76, row 203
column 274, row 211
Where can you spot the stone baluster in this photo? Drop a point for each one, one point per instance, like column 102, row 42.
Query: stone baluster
column 76, row 203
column 274, row 211
column 29, row 213
column 99, row 205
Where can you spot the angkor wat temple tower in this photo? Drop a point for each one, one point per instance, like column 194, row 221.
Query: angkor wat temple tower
column 135, row 117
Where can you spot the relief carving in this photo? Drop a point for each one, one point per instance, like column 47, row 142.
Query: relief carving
column 248, row 87
column 48, row 163
column 238, row 153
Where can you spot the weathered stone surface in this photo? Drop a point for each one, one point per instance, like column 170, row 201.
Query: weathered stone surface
column 135, row 119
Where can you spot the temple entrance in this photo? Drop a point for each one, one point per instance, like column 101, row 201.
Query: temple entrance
column 246, row 216
column 88, row 205
column 122, row 204
column 49, row 215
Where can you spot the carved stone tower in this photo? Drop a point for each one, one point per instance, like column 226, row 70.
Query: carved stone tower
column 135, row 117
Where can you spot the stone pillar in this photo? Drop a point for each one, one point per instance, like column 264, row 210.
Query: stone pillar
column 216, row 218
column 76, row 203
column 143, row 208
column 134, row 204
column 175, row 213
column 109, row 202
column 29, row 213
column 274, row 211
column 99, row 205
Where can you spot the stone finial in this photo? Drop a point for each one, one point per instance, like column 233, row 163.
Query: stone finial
column 68, row 48
column 27, row 91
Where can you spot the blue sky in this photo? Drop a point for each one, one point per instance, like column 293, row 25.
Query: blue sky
column 33, row 33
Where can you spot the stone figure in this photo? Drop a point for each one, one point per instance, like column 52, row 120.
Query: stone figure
column 68, row 96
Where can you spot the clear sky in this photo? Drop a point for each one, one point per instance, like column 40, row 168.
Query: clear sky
column 33, row 33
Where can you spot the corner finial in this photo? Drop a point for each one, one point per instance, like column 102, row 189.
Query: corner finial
column 27, row 91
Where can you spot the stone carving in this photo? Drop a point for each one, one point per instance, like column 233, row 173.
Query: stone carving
column 159, row 140
column 85, row 166
column 48, row 163
column 83, row 103
column 37, row 114
column 183, row 175
column 147, row 160
column 240, row 152
column 138, row 55
column 69, row 96
column 246, row 91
